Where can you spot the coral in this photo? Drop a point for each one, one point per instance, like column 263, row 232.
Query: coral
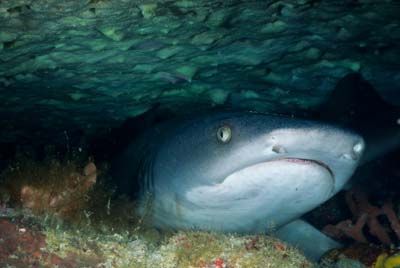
column 50, row 187
column 111, row 235
column 365, row 214
column 360, row 252
column 22, row 246
column 202, row 249
column 219, row 263
column 252, row 244
column 386, row 261
column 176, row 250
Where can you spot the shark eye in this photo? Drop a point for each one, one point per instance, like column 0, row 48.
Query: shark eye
column 224, row 134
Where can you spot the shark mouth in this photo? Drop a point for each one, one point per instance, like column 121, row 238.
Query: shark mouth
column 307, row 162
column 301, row 161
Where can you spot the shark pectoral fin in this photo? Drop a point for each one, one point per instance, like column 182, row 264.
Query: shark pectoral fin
column 312, row 242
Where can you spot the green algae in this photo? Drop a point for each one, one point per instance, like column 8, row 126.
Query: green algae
column 148, row 10
column 182, row 249
column 219, row 96
column 113, row 33
column 168, row 52
column 206, row 38
column 187, row 71
column 274, row 27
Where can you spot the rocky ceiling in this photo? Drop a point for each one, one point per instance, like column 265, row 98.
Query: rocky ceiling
column 88, row 65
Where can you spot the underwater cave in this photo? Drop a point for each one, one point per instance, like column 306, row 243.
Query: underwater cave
column 200, row 133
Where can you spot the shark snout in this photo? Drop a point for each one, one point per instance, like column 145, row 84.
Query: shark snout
column 324, row 144
column 356, row 151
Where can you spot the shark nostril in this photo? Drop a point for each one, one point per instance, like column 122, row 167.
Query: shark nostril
column 279, row 149
column 351, row 156
column 355, row 153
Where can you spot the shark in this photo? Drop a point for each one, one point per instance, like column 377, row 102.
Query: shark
column 242, row 172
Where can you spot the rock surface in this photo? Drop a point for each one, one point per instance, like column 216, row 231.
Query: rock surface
column 90, row 64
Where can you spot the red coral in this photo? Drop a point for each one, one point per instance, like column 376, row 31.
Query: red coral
column 219, row 263
column 23, row 247
column 365, row 214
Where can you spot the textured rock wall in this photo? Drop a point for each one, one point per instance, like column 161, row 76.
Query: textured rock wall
column 89, row 64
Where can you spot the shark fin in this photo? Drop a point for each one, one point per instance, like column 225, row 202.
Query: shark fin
column 312, row 242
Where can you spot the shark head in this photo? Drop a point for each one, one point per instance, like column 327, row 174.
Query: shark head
column 247, row 172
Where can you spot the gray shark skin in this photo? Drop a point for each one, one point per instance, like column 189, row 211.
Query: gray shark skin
column 238, row 172
column 247, row 172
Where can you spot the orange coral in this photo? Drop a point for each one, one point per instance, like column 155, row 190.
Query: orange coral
column 51, row 187
column 365, row 214
column 61, row 201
